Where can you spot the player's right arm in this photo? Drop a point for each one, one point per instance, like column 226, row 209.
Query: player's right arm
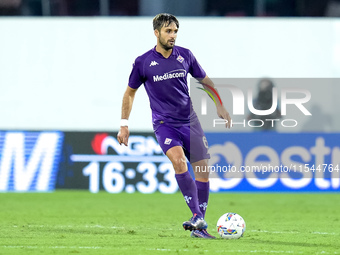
column 123, row 134
column 135, row 80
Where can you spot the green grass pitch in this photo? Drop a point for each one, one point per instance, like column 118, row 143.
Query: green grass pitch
column 78, row 222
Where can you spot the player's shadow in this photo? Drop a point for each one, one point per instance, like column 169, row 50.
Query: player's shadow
column 84, row 231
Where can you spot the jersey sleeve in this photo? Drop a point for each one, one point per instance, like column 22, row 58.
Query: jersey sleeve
column 136, row 76
column 195, row 68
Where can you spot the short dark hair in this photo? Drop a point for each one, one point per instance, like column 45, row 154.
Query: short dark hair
column 164, row 19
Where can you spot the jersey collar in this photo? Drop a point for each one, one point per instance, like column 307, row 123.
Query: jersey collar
column 161, row 56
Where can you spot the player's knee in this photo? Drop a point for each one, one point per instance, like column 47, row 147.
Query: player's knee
column 203, row 176
column 180, row 165
column 202, row 179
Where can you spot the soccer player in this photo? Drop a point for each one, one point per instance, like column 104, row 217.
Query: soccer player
column 163, row 70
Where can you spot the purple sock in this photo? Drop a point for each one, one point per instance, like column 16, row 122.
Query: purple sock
column 203, row 195
column 189, row 190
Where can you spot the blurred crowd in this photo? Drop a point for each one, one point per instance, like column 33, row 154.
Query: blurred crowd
column 238, row 8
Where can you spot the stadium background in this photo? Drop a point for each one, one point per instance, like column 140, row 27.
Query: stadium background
column 66, row 75
column 64, row 66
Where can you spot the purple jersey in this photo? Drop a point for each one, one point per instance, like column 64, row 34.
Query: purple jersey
column 165, row 81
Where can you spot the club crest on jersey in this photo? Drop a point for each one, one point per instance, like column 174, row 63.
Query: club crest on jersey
column 153, row 63
column 180, row 59
column 167, row 141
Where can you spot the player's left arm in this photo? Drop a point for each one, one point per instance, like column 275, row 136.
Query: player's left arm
column 221, row 111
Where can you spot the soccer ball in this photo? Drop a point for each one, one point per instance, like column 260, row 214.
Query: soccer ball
column 231, row 226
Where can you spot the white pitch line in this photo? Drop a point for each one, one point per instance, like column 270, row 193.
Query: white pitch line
column 51, row 247
column 274, row 232
column 89, row 226
column 323, row 233
column 291, row 232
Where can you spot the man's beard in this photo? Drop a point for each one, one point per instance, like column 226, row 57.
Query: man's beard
column 165, row 46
